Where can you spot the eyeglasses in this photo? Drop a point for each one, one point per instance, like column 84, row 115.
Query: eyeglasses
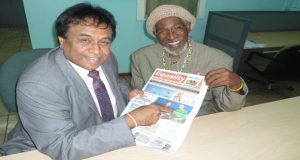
column 177, row 29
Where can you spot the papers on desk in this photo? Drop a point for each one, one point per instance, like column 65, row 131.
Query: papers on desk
column 253, row 44
column 181, row 92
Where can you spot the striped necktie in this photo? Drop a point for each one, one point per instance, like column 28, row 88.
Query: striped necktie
column 102, row 96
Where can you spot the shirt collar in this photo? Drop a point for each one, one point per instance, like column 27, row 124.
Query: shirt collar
column 81, row 71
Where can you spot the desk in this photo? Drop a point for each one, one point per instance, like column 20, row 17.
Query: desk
column 273, row 40
column 266, row 131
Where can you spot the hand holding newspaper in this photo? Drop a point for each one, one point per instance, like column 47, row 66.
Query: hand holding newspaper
column 181, row 92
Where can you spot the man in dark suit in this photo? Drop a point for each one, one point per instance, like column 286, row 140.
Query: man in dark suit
column 61, row 114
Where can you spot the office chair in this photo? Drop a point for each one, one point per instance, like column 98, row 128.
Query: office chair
column 284, row 66
column 227, row 33
column 10, row 72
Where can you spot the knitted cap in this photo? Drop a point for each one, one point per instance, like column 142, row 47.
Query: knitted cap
column 164, row 11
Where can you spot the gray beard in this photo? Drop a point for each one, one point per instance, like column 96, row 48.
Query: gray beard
column 176, row 53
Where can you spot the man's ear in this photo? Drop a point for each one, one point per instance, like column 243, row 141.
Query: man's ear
column 154, row 33
column 188, row 26
column 61, row 41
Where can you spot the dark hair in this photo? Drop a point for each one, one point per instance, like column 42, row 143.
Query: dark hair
column 78, row 14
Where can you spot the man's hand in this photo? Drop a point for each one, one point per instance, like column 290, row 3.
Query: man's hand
column 134, row 93
column 223, row 77
column 145, row 115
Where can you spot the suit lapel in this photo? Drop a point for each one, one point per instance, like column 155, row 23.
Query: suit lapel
column 75, row 80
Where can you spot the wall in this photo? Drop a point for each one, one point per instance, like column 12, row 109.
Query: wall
column 131, row 33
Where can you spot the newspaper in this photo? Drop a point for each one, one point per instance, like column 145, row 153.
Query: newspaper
column 181, row 92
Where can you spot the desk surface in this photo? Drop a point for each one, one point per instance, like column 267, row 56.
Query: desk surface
column 275, row 40
column 265, row 131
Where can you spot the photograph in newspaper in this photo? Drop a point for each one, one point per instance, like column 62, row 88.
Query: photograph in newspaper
column 183, row 93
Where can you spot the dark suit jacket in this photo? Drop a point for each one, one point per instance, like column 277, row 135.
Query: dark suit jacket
column 58, row 114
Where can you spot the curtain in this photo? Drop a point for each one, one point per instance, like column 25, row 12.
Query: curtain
column 190, row 5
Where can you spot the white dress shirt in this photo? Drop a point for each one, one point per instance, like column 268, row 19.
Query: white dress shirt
column 89, row 83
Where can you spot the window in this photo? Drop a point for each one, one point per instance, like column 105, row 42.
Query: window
column 144, row 7
column 291, row 5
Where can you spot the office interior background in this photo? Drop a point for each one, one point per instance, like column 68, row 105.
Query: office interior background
column 28, row 24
